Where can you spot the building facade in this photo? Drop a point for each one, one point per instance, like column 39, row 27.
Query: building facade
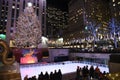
column 76, row 19
column 115, row 9
column 56, row 22
column 10, row 11
column 87, row 18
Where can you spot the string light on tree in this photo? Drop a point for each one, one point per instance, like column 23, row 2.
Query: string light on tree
column 28, row 30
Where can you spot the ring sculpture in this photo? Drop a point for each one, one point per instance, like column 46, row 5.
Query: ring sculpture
column 4, row 51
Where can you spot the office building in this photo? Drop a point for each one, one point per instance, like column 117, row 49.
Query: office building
column 115, row 9
column 83, row 14
column 10, row 11
column 56, row 22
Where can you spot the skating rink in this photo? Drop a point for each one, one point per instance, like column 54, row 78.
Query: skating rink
column 66, row 67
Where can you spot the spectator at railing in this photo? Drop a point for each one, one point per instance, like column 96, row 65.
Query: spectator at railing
column 41, row 76
column 88, row 74
column 83, row 71
column 97, row 72
column 26, row 77
column 51, row 76
column 86, row 71
column 91, row 72
column 46, row 76
column 55, row 76
column 77, row 73
column 34, row 78
column 59, row 75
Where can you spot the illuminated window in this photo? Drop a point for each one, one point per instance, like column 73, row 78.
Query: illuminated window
column 13, row 7
column 113, row 4
column 113, row 0
column 118, row 2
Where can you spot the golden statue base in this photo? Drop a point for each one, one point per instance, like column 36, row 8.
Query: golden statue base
column 10, row 72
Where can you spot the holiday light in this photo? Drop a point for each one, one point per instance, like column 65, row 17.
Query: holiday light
column 28, row 30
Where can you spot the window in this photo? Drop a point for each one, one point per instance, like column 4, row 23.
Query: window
column 17, row 13
column 114, row 4
column 3, row 2
column 23, row 4
column 6, row 8
column 7, row 3
column 118, row 2
column 13, row 7
column 13, row 11
column 43, row 19
column 12, row 21
column 17, row 5
column 37, row 5
column 37, row 12
column 113, row 0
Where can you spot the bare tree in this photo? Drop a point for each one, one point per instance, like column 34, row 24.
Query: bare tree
column 114, row 29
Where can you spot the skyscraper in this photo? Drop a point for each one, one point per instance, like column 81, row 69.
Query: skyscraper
column 56, row 22
column 10, row 11
column 84, row 14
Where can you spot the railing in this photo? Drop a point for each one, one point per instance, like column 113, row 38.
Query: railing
column 61, row 63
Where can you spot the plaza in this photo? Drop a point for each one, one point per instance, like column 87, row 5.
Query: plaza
column 47, row 35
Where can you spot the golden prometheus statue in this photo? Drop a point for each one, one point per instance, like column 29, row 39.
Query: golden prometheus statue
column 4, row 52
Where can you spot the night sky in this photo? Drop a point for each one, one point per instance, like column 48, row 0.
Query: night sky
column 61, row 4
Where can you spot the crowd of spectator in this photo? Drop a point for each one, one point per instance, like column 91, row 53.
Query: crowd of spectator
column 83, row 73
column 90, row 74
column 52, row 76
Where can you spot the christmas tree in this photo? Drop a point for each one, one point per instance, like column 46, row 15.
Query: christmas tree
column 28, row 30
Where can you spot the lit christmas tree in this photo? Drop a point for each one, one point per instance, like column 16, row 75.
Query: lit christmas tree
column 28, row 30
